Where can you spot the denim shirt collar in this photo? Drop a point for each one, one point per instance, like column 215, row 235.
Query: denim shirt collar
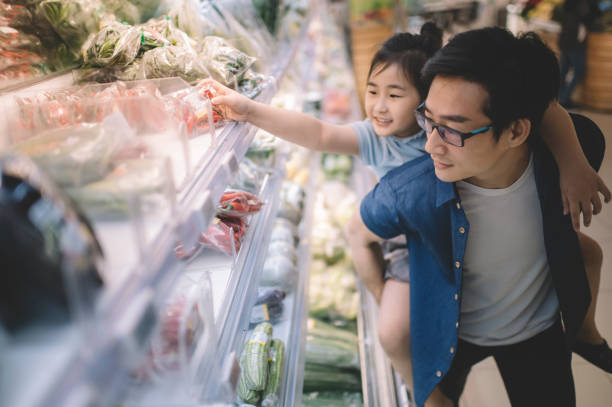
column 445, row 191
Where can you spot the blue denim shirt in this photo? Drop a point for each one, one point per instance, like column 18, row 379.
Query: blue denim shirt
column 411, row 200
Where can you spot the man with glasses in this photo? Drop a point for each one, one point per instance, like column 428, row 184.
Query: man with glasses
column 495, row 266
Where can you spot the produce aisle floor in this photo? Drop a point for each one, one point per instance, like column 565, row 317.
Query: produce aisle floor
column 593, row 386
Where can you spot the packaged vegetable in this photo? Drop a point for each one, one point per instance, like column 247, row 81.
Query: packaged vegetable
column 181, row 327
column 283, row 248
column 224, row 62
column 74, row 156
column 270, row 296
column 11, row 38
column 266, row 313
column 72, row 20
column 254, row 359
column 114, row 44
column 276, row 362
column 249, row 176
column 279, row 271
column 16, row 16
column 124, row 11
column 224, row 235
column 236, row 204
column 111, row 197
column 166, row 62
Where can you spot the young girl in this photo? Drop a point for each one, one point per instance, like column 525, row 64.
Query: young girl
column 389, row 137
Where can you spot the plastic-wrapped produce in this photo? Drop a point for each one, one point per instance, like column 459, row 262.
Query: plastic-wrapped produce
column 192, row 106
column 262, row 149
column 268, row 11
column 49, row 255
column 10, row 39
column 237, row 204
column 186, row 16
column 283, row 248
column 124, row 11
column 285, row 231
column 279, row 271
column 72, row 20
column 147, row 8
column 224, row 235
column 251, row 84
column 224, row 62
column 249, row 176
column 76, row 155
column 16, row 16
column 111, row 196
column 114, row 44
column 19, row 57
column 172, row 61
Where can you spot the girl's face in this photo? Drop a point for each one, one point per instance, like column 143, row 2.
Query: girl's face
column 390, row 101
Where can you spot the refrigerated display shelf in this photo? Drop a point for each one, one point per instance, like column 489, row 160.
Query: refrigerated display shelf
column 382, row 387
column 127, row 314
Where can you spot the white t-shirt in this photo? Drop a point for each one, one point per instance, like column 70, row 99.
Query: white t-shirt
column 507, row 295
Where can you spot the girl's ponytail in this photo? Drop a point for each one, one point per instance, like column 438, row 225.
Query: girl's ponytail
column 410, row 52
column 431, row 36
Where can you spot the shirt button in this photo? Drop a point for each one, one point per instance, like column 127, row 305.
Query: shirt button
column 439, row 373
column 462, row 230
column 456, row 324
column 458, row 205
column 456, row 297
column 457, row 264
column 452, row 350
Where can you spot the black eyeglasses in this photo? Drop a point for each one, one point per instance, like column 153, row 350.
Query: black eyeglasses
column 450, row 136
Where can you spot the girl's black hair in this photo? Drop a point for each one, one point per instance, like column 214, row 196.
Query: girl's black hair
column 410, row 51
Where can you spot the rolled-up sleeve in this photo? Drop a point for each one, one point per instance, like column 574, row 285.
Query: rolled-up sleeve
column 378, row 211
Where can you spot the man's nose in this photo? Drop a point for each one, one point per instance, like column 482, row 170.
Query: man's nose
column 435, row 144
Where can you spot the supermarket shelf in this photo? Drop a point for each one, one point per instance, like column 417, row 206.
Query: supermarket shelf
column 381, row 385
column 94, row 361
column 291, row 393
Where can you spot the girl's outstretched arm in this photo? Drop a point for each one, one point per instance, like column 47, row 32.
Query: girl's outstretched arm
column 298, row 128
column 580, row 184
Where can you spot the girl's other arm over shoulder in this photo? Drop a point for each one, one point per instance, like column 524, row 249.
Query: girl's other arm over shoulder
column 295, row 127
column 580, row 184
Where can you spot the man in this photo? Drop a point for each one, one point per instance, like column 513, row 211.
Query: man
column 495, row 266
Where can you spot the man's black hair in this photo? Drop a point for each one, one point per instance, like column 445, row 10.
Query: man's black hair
column 520, row 74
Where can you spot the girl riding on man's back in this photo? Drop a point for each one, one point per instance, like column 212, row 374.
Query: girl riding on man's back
column 389, row 137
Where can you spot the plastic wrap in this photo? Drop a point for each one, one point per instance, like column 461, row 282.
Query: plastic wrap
column 124, row 11
column 262, row 149
column 48, row 252
column 252, row 84
column 238, row 204
column 16, row 16
column 111, row 197
column 11, row 38
column 192, row 106
column 224, row 62
column 249, row 176
column 186, row 16
column 224, row 235
column 172, row 61
column 72, row 20
column 114, row 44
column 75, row 155
column 248, row 32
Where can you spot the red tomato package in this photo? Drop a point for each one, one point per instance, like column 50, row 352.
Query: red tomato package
column 222, row 232
column 236, row 204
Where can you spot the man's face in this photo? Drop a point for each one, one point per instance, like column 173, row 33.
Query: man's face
column 389, row 101
column 482, row 161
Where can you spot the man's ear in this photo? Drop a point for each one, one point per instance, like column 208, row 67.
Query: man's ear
column 518, row 132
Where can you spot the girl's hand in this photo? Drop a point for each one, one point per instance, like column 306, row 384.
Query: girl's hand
column 233, row 105
column 580, row 189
